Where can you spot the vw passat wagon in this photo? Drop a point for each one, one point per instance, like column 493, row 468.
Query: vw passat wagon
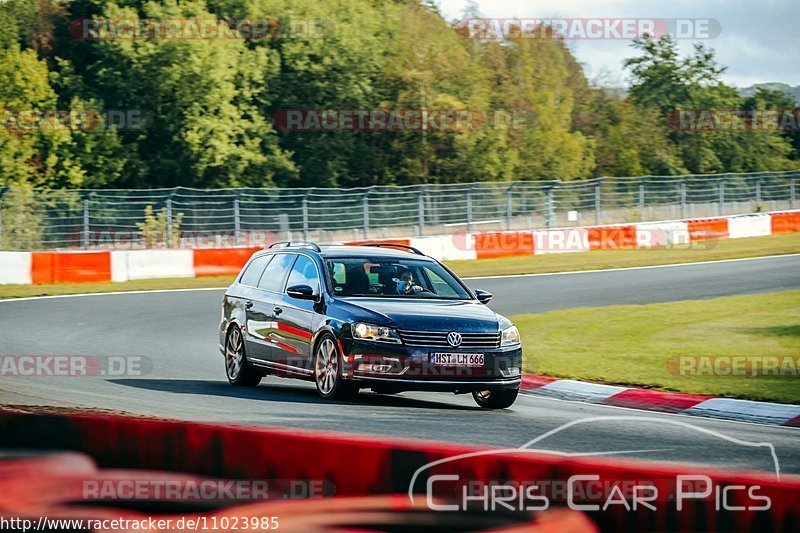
column 379, row 316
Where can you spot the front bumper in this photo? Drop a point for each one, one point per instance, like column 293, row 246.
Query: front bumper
column 396, row 367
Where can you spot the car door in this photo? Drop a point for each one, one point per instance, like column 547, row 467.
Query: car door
column 260, row 308
column 251, row 300
column 295, row 318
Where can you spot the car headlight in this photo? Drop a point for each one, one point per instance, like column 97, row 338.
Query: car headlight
column 509, row 336
column 375, row 333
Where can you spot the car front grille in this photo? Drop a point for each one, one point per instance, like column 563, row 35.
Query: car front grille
column 438, row 339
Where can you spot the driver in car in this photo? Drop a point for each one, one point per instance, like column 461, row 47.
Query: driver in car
column 406, row 285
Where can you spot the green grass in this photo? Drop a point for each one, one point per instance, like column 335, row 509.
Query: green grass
column 600, row 259
column 632, row 344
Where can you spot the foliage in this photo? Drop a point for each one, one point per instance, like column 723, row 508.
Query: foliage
column 210, row 104
column 156, row 229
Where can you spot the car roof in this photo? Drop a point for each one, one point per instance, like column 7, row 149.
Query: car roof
column 369, row 251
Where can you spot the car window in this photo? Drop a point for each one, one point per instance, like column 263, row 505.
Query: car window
column 254, row 270
column 393, row 277
column 439, row 285
column 275, row 273
column 304, row 272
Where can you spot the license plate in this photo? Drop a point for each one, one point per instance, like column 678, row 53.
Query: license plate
column 457, row 359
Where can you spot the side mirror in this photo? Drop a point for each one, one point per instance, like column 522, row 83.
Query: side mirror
column 301, row 292
column 483, row 296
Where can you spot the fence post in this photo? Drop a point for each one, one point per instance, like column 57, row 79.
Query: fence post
column 85, row 234
column 305, row 215
column 597, row 186
column 168, row 243
column 683, row 199
column 758, row 192
column 550, row 214
column 237, row 226
column 421, row 209
column 722, row 196
column 641, row 200
column 791, row 195
column 2, row 193
column 365, row 202
column 469, row 208
column 508, row 205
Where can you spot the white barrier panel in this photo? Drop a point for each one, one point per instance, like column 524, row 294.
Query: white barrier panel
column 457, row 247
column 661, row 234
column 15, row 267
column 144, row 264
column 749, row 226
column 554, row 241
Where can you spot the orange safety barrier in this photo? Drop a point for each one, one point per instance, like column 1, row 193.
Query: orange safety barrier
column 355, row 466
column 221, row 261
column 503, row 244
column 785, row 222
column 70, row 267
column 611, row 237
column 708, row 229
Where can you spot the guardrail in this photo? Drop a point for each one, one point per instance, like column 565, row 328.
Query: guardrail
column 191, row 218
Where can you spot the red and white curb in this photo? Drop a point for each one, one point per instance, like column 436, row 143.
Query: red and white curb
column 776, row 414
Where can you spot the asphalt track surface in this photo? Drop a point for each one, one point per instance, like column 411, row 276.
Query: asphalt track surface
column 175, row 335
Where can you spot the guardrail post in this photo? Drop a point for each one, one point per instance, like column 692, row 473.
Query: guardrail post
column 721, row 186
column 641, row 201
column 508, row 205
column 168, row 240
column 791, row 194
column 421, row 209
column 683, row 199
column 469, row 209
column 305, row 215
column 550, row 213
column 237, row 226
column 85, row 233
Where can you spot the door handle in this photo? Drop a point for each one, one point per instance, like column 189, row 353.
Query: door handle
column 277, row 310
column 248, row 304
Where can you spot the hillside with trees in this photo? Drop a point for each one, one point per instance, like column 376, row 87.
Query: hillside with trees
column 208, row 105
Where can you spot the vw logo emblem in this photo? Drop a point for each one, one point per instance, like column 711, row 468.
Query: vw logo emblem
column 454, row 339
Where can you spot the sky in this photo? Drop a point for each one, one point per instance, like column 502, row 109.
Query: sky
column 759, row 40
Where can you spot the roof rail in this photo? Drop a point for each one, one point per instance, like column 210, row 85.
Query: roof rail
column 303, row 244
column 393, row 245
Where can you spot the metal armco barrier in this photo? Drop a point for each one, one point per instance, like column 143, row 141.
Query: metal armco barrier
column 357, row 466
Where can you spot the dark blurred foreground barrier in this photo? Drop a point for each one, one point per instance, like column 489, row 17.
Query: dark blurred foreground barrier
column 358, row 466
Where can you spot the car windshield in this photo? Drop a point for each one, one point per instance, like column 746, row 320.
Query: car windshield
column 393, row 278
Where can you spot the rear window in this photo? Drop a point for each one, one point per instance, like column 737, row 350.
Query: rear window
column 254, row 270
column 273, row 277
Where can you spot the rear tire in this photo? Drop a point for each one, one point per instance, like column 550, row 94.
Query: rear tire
column 496, row 399
column 328, row 371
column 238, row 369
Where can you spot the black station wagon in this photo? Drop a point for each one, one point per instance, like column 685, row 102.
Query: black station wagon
column 379, row 316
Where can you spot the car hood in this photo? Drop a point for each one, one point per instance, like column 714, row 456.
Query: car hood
column 426, row 315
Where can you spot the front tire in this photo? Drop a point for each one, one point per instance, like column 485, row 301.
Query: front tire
column 238, row 369
column 495, row 399
column 328, row 371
